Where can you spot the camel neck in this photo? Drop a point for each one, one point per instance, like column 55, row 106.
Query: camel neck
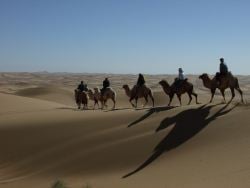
column 128, row 92
column 207, row 83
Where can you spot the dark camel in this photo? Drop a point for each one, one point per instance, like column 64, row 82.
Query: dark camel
column 138, row 92
column 185, row 87
column 81, row 98
column 227, row 81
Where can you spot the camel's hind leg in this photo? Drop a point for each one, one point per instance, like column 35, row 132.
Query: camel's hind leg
column 114, row 101
column 241, row 94
column 136, row 101
column 239, row 90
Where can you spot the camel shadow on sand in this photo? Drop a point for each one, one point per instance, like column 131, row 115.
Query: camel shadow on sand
column 149, row 113
column 186, row 125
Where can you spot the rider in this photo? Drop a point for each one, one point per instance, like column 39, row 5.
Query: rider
column 223, row 67
column 181, row 74
column 82, row 87
column 223, row 70
column 105, row 84
column 180, row 78
column 140, row 81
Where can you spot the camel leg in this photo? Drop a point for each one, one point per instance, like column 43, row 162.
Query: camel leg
column 233, row 94
column 241, row 94
column 170, row 99
column 212, row 97
column 103, row 104
column 130, row 100
column 223, row 94
column 152, row 98
column 239, row 90
column 136, row 100
column 196, row 97
column 190, row 98
column 146, row 101
column 94, row 104
column 113, row 99
column 179, row 97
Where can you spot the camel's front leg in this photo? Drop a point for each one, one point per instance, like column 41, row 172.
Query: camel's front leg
column 223, row 94
column 130, row 100
column 171, row 96
column 212, row 97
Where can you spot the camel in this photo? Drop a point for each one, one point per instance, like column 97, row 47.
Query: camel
column 81, row 98
column 228, row 81
column 109, row 93
column 142, row 92
column 185, row 87
column 94, row 96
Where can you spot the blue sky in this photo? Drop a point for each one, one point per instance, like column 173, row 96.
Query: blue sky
column 124, row 36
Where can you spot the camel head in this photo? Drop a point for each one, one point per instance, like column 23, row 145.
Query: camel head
column 96, row 89
column 164, row 83
column 204, row 76
column 126, row 87
column 90, row 91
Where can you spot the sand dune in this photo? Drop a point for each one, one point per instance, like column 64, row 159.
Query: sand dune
column 43, row 137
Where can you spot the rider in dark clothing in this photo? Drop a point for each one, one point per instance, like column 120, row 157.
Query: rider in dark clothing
column 223, row 67
column 105, row 84
column 141, row 80
column 82, row 87
column 223, row 70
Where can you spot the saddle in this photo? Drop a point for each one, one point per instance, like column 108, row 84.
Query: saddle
column 104, row 89
column 219, row 75
column 178, row 83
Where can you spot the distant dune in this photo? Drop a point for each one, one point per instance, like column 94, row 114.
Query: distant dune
column 43, row 137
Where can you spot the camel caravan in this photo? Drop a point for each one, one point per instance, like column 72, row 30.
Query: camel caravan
column 222, row 81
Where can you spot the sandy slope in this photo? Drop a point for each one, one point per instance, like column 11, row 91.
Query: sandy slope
column 43, row 137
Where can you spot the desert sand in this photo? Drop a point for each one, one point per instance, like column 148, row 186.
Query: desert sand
column 44, row 137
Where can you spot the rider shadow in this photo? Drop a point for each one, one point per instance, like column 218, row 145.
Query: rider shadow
column 149, row 113
column 186, row 125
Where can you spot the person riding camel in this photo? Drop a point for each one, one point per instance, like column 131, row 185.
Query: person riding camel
column 105, row 84
column 180, row 79
column 82, row 87
column 181, row 74
column 223, row 71
column 140, row 81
